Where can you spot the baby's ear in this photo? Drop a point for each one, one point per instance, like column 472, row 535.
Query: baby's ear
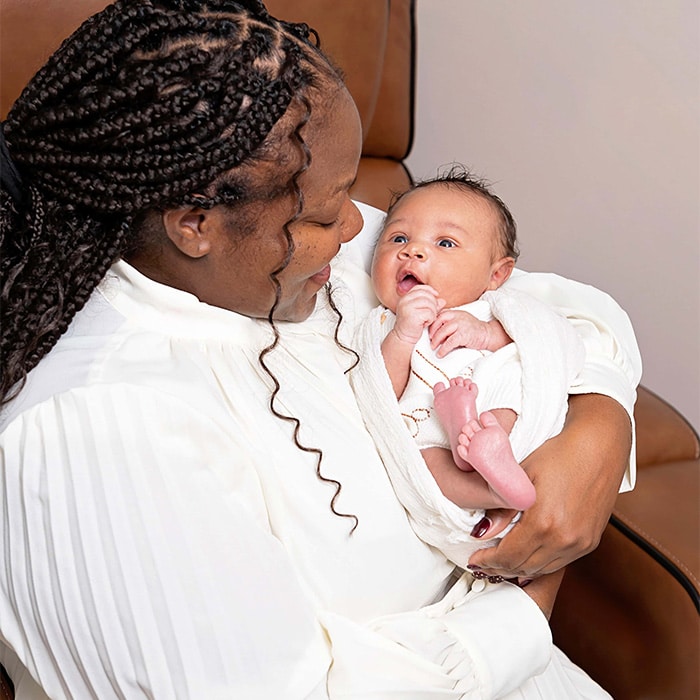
column 187, row 229
column 500, row 271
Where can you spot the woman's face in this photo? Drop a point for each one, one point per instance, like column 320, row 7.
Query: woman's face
column 236, row 275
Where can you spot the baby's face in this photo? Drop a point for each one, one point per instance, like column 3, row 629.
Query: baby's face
column 440, row 236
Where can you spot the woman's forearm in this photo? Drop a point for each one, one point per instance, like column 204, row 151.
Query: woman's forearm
column 577, row 475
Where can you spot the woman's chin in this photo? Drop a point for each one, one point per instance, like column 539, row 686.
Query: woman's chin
column 297, row 312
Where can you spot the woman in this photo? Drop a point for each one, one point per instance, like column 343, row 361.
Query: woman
column 192, row 507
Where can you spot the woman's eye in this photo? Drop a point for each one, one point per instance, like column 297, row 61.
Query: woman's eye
column 446, row 243
column 330, row 223
column 399, row 238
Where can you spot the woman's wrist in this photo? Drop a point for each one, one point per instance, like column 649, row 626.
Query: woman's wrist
column 543, row 590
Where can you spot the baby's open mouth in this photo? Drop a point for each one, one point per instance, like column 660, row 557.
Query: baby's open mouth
column 407, row 281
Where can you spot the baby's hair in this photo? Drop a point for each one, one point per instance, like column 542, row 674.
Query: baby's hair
column 461, row 178
column 149, row 105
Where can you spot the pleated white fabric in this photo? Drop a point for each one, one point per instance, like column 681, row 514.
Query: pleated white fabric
column 162, row 536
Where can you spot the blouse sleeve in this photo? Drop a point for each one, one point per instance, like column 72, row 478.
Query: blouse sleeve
column 137, row 561
column 482, row 642
column 613, row 365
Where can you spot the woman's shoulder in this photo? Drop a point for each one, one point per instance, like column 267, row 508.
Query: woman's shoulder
column 99, row 355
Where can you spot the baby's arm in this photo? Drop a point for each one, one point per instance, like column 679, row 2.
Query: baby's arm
column 414, row 311
column 459, row 329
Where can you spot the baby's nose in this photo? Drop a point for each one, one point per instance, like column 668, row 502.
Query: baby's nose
column 413, row 250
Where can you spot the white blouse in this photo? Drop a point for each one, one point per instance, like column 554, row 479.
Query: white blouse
column 163, row 536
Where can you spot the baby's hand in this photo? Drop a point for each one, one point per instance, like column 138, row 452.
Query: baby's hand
column 416, row 310
column 459, row 329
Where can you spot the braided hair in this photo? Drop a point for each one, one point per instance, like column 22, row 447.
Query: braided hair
column 149, row 105
column 145, row 104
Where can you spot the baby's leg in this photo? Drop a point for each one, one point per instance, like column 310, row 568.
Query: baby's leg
column 456, row 406
column 465, row 489
column 485, row 444
column 482, row 446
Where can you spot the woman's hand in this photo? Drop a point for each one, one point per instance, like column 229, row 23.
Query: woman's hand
column 577, row 475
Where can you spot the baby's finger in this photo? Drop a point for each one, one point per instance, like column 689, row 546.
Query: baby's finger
column 446, row 346
column 422, row 289
column 418, row 303
column 440, row 329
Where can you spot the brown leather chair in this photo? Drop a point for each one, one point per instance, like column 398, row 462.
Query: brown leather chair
column 627, row 613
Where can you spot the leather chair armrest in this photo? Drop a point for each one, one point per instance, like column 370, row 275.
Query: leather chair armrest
column 628, row 612
column 663, row 434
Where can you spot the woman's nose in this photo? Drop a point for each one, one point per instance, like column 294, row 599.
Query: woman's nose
column 352, row 223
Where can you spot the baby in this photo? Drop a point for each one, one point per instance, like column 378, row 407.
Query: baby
column 445, row 248
column 443, row 245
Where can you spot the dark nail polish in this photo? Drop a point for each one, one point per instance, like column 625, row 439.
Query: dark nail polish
column 481, row 528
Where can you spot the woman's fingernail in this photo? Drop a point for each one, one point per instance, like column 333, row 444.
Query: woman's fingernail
column 478, row 574
column 481, row 528
column 522, row 582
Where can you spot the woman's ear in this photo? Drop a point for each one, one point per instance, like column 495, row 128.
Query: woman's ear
column 189, row 230
column 500, row 272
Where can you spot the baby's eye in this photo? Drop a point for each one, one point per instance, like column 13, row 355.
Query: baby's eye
column 446, row 243
column 399, row 238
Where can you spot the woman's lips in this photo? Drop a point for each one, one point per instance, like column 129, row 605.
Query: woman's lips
column 322, row 276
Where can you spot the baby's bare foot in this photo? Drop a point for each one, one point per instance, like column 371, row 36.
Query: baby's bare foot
column 485, row 445
column 456, row 403
column 456, row 406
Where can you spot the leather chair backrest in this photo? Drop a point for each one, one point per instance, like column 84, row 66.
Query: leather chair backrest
column 30, row 31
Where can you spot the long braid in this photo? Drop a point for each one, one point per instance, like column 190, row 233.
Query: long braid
column 274, row 396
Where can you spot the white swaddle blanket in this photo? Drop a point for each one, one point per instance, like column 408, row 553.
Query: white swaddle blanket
column 551, row 355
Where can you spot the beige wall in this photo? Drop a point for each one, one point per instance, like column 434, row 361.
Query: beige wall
column 586, row 117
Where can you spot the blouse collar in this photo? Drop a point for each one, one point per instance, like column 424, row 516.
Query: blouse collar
column 174, row 312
